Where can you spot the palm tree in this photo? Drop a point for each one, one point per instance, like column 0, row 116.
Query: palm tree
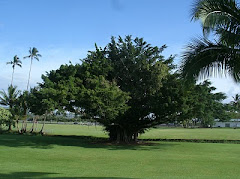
column 33, row 54
column 9, row 98
column 236, row 102
column 204, row 58
column 15, row 62
column 22, row 109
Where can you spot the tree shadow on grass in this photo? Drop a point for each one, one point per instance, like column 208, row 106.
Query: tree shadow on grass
column 48, row 142
column 44, row 175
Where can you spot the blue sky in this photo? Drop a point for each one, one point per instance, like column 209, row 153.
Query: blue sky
column 64, row 30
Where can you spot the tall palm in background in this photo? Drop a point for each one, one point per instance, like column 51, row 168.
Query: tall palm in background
column 9, row 99
column 33, row 54
column 236, row 102
column 204, row 58
column 15, row 62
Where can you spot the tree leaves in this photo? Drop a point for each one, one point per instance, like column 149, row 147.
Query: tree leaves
column 204, row 58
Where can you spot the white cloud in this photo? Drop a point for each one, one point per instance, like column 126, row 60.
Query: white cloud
column 225, row 85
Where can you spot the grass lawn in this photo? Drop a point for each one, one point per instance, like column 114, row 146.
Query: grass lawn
column 75, row 157
column 163, row 133
column 79, row 130
column 198, row 133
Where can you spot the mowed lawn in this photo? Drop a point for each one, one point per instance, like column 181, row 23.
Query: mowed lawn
column 60, row 157
column 72, row 155
column 158, row 133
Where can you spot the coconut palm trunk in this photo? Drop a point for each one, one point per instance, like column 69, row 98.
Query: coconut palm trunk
column 33, row 125
column 41, row 132
column 12, row 76
column 29, row 75
column 33, row 54
column 17, row 125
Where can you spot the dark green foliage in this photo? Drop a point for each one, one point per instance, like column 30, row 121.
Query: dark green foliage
column 5, row 117
column 202, row 104
column 114, row 85
column 102, row 100
column 40, row 101
column 9, row 99
column 233, row 107
column 138, row 69
column 128, row 87
column 62, row 86
column 169, row 101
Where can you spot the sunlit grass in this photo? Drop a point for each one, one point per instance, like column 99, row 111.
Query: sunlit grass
column 158, row 133
column 70, row 157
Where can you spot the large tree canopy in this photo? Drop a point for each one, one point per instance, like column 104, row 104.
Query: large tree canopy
column 128, row 87
column 116, row 86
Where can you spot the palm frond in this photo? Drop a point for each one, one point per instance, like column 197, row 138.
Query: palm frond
column 229, row 38
column 11, row 62
column 29, row 56
column 203, row 58
column 216, row 13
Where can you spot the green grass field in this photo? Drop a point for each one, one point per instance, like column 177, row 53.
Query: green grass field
column 158, row 133
column 77, row 157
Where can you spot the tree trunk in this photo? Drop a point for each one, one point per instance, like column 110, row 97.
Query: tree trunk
column 135, row 137
column 17, row 121
column 9, row 126
column 120, row 135
column 24, row 124
column 31, row 131
column 41, row 132
column 36, row 126
column 29, row 73
column 12, row 76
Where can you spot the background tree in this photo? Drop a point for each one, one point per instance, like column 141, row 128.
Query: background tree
column 204, row 58
column 15, row 62
column 5, row 116
column 40, row 102
column 33, row 54
column 9, row 99
column 21, row 109
column 201, row 105
column 236, row 102
column 233, row 107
